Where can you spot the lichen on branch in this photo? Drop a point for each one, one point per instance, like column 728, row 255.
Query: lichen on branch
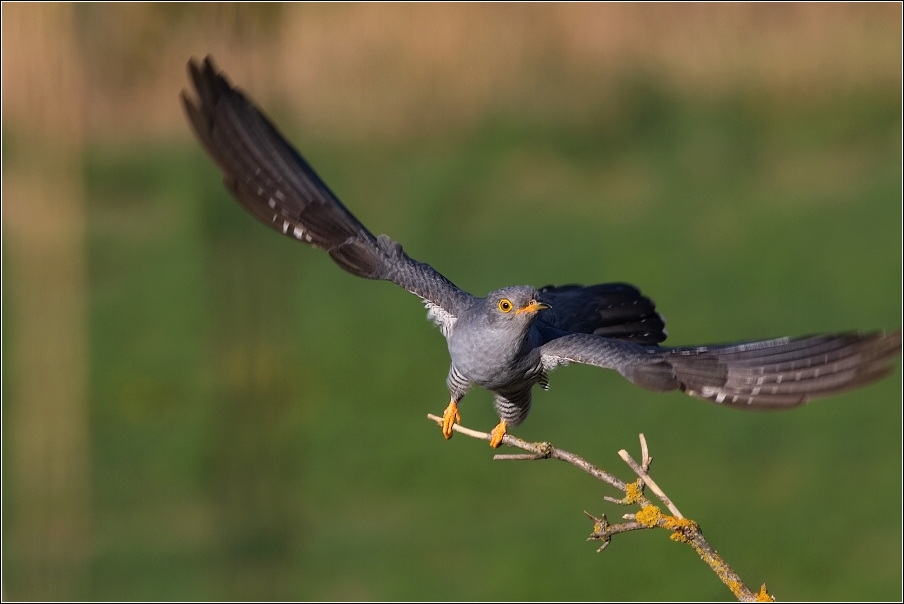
column 649, row 516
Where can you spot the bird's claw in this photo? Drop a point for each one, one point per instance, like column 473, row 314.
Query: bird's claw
column 497, row 434
column 451, row 416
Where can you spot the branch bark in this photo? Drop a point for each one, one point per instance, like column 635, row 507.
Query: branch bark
column 649, row 516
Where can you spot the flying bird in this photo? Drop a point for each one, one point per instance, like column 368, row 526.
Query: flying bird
column 510, row 340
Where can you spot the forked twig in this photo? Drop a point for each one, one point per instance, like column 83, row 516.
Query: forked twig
column 649, row 516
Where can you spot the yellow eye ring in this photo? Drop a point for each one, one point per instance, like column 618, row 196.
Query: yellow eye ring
column 505, row 305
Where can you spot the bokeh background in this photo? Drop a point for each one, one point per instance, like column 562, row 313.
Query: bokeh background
column 197, row 408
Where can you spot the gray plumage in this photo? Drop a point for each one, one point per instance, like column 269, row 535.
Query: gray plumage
column 508, row 341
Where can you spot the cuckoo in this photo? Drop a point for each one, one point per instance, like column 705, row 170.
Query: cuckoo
column 509, row 341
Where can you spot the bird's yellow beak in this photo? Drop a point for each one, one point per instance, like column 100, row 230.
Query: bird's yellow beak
column 533, row 307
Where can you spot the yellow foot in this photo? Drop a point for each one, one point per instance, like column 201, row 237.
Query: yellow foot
column 450, row 417
column 497, row 434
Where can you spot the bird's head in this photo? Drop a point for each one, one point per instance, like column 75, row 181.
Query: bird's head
column 517, row 305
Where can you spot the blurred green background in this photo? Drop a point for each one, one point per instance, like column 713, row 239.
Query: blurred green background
column 197, row 408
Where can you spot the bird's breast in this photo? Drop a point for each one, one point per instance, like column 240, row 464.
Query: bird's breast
column 493, row 362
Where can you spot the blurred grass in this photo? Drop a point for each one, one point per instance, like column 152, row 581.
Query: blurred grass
column 258, row 424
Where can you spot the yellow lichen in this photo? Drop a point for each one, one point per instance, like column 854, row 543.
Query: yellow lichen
column 649, row 515
column 681, row 526
column 763, row 595
column 633, row 492
column 675, row 524
column 734, row 586
column 719, row 566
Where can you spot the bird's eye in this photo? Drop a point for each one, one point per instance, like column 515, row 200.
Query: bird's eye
column 505, row 305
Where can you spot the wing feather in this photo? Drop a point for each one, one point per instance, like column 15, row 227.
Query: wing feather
column 768, row 374
column 271, row 180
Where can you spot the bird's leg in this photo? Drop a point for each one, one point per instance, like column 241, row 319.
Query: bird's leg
column 450, row 416
column 497, row 434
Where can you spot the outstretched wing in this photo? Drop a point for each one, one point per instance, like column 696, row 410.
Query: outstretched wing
column 770, row 374
column 611, row 310
column 274, row 182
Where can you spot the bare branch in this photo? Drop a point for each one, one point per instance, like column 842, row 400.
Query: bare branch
column 649, row 516
column 646, row 460
column 542, row 451
column 649, row 482
column 520, row 457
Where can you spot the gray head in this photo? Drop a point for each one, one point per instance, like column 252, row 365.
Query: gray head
column 510, row 306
